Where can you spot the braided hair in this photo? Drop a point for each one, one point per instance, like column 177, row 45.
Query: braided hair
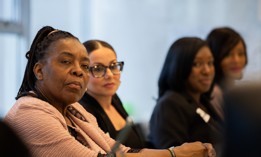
column 38, row 50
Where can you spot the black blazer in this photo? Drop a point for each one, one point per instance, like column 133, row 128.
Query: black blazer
column 175, row 121
column 135, row 138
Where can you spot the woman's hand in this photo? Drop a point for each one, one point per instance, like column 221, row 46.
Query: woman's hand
column 211, row 150
column 195, row 149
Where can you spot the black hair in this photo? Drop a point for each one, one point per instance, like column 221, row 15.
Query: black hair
column 221, row 41
column 92, row 45
column 178, row 64
column 38, row 51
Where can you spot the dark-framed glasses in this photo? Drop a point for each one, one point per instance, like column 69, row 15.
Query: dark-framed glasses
column 100, row 70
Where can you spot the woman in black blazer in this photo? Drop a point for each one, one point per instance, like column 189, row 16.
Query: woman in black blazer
column 183, row 112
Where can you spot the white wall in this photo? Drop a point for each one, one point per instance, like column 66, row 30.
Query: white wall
column 60, row 14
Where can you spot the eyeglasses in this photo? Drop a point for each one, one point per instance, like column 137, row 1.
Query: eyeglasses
column 100, row 70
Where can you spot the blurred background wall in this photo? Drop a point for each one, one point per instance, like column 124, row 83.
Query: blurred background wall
column 141, row 32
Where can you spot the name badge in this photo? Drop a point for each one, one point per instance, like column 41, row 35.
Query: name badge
column 203, row 114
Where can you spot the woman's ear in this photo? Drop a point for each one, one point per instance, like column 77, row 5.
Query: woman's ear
column 38, row 71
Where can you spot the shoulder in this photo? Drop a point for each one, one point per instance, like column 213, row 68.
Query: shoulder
column 172, row 97
column 28, row 105
column 173, row 102
column 247, row 95
column 29, row 113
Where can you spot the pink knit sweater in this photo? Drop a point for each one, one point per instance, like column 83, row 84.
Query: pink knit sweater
column 45, row 131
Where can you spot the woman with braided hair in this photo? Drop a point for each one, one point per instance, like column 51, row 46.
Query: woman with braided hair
column 47, row 114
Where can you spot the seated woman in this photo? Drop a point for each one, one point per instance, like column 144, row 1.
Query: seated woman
column 183, row 112
column 101, row 99
column 229, row 51
column 47, row 115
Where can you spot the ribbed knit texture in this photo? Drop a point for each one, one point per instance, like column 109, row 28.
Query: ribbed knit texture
column 45, row 131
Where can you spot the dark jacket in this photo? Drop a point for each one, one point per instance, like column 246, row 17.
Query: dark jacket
column 175, row 121
column 135, row 137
